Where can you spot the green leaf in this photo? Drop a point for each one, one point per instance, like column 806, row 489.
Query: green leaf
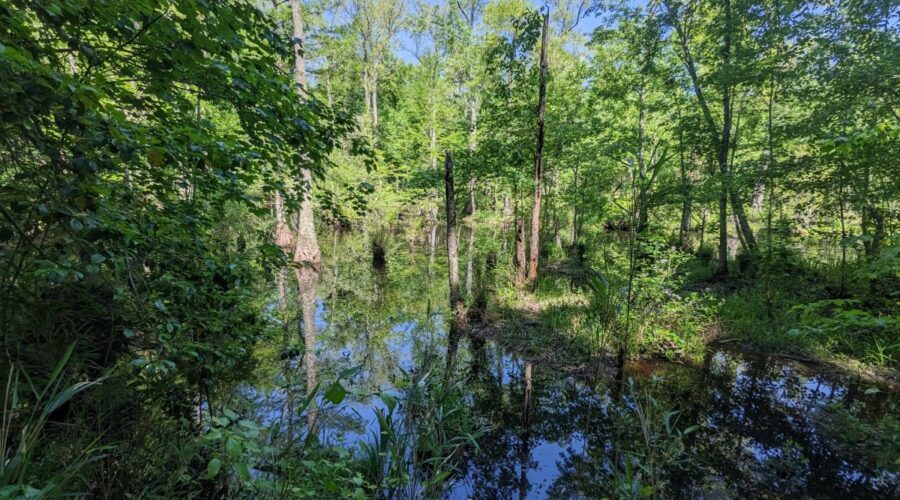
column 75, row 224
column 241, row 470
column 233, row 447
column 212, row 468
column 97, row 258
column 691, row 429
column 336, row 393
column 872, row 390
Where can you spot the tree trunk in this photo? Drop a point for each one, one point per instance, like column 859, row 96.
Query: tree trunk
column 520, row 250
column 703, row 214
column 432, row 241
column 759, row 193
column 737, row 206
column 307, row 257
column 473, row 122
column 538, row 159
column 556, row 238
column 722, row 145
column 374, row 93
column 722, row 266
column 306, row 249
column 574, row 244
column 432, row 137
column 284, row 240
column 507, row 213
column 642, row 167
column 470, row 248
column 452, row 241
column 684, row 228
column 365, row 81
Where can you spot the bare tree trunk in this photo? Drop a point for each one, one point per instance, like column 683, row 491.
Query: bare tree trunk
column 452, row 241
column 538, row 159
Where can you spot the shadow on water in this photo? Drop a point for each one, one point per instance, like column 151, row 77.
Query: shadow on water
column 767, row 426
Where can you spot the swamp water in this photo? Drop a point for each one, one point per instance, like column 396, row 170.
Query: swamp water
column 756, row 426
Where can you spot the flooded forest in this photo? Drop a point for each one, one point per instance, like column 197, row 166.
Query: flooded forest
column 464, row 249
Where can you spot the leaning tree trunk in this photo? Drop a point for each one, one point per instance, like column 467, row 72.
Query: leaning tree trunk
column 737, row 206
column 538, row 160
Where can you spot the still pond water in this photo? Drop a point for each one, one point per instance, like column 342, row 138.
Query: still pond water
column 766, row 426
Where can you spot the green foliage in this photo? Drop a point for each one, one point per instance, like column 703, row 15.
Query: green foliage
column 641, row 472
column 27, row 411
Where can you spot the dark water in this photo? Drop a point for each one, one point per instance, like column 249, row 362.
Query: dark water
column 765, row 426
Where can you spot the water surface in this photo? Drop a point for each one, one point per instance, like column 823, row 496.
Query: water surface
column 766, row 426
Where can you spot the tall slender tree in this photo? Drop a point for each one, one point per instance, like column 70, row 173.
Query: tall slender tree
column 539, row 157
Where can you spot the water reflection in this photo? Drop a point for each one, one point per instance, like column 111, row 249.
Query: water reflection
column 767, row 425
